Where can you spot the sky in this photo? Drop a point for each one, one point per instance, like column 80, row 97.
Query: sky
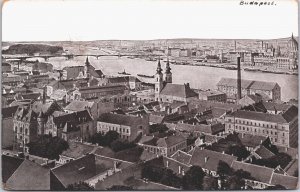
column 84, row 20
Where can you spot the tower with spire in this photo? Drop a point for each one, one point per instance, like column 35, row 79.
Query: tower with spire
column 168, row 73
column 86, row 68
column 158, row 80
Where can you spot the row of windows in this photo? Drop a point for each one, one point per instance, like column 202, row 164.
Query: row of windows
column 256, row 124
column 240, row 128
column 112, row 128
column 271, row 132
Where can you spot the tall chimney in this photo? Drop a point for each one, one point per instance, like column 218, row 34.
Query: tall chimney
column 239, row 80
column 44, row 94
column 234, row 45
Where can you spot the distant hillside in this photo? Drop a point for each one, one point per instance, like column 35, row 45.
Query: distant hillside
column 31, row 49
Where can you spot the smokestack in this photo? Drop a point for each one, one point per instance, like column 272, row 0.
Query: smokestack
column 44, row 95
column 234, row 45
column 239, row 80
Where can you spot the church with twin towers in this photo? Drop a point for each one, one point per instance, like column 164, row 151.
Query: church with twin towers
column 166, row 90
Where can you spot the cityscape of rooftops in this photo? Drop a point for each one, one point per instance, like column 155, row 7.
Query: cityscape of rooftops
column 164, row 114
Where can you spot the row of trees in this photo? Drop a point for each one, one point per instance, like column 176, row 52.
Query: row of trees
column 194, row 178
column 112, row 140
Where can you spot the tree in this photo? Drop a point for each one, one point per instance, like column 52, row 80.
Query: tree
column 242, row 174
column 170, row 179
column 109, row 137
column 104, row 140
column 281, row 159
column 210, row 183
column 234, row 183
column 193, row 178
column 239, row 151
column 120, row 188
column 119, row 145
column 161, row 128
column 224, row 169
column 48, row 147
column 81, row 186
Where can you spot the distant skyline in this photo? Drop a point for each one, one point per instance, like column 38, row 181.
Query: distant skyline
column 87, row 20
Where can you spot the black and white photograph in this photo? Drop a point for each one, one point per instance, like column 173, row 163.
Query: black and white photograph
column 149, row 95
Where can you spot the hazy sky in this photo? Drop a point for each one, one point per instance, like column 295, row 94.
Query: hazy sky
column 47, row 20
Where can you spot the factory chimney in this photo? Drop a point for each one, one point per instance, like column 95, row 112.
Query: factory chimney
column 239, row 80
column 234, row 45
column 44, row 94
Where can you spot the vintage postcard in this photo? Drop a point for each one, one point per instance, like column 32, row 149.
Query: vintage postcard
column 149, row 95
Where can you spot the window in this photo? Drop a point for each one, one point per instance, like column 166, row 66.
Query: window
column 26, row 131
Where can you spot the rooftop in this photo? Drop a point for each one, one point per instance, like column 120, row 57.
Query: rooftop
column 210, row 159
column 263, row 116
column 77, row 170
column 183, row 91
column 29, row 176
column 248, row 84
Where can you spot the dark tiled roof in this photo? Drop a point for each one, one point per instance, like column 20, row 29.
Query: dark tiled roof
column 251, row 140
column 260, row 173
column 122, row 79
column 9, row 166
column 32, row 96
column 182, row 157
column 8, row 112
column 271, row 106
column 101, row 87
column 263, row 152
column 259, row 116
column 119, row 119
column 248, row 84
column 183, row 91
column 77, row 170
column 166, row 141
column 213, row 158
column 290, row 113
column 156, row 118
column 230, row 82
column 29, row 176
column 292, row 167
column 288, row 182
column 78, row 105
column 74, row 118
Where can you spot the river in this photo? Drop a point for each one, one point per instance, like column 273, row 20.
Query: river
column 198, row 76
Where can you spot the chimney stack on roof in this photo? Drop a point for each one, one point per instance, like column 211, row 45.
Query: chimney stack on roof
column 239, row 79
column 44, row 94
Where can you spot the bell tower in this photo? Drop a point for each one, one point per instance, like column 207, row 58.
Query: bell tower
column 168, row 73
column 158, row 80
column 86, row 68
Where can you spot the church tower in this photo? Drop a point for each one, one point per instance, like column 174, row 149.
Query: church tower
column 158, row 80
column 41, row 123
column 86, row 68
column 168, row 73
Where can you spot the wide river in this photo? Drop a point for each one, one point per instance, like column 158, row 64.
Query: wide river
column 198, row 76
